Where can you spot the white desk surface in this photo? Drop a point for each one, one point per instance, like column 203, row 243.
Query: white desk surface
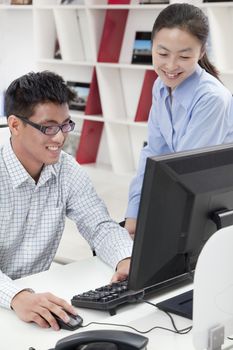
column 68, row 280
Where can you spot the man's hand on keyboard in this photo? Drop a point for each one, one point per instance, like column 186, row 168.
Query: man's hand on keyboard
column 122, row 270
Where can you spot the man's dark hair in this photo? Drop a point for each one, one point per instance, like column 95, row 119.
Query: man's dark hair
column 29, row 90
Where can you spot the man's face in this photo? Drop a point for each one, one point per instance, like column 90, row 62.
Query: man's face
column 31, row 146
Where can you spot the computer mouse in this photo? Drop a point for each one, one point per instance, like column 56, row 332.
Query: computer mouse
column 74, row 322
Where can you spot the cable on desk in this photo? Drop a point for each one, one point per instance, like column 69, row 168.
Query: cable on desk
column 181, row 331
column 176, row 330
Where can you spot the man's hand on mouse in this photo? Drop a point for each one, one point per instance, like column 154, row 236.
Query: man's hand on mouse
column 37, row 307
column 122, row 270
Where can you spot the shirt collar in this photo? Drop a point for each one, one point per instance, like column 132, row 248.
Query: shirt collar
column 17, row 172
column 186, row 89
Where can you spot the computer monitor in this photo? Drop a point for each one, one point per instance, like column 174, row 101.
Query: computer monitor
column 185, row 197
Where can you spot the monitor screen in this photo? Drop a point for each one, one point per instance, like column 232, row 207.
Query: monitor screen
column 180, row 196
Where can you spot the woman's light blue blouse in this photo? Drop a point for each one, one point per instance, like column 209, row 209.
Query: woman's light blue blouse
column 200, row 114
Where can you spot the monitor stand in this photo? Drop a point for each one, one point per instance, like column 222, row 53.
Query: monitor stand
column 181, row 305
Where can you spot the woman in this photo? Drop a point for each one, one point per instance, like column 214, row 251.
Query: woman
column 191, row 108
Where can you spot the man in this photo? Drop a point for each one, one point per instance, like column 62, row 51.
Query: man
column 41, row 185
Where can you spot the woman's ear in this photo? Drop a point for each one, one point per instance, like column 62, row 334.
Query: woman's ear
column 14, row 124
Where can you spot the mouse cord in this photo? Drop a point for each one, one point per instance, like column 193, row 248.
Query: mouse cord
column 178, row 331
column 175, row 330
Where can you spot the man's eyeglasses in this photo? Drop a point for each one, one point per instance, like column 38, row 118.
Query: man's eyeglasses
column 52, row 129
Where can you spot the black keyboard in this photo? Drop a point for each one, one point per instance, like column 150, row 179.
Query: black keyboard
column 107, row 297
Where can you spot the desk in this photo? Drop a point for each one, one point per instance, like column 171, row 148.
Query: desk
column 68, row 280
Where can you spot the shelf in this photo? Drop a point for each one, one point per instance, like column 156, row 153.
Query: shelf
column 80, row 116
column 114, row 125
column 16, row 7
column 60, row 7
column 97, row 64
column 111, row 130
column 125, row 66
column 127, row 123
column 216, row 5
column 127, row 7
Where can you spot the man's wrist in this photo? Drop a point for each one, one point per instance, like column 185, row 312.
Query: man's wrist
column 23, row 290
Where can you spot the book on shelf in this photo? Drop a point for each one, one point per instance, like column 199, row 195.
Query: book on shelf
column 142, row 48
column 81, row 91
column 91, row 130
column 113, row 33
column 145, row 99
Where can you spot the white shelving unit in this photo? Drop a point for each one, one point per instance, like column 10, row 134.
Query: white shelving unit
column 79, row 28
column 119, row 83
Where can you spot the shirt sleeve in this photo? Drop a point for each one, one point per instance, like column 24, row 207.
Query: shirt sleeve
column 209, row 123
column 8, row 289
column 155, row 146
column 110, row 241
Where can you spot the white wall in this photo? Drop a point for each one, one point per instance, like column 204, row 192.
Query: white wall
column 16, row 44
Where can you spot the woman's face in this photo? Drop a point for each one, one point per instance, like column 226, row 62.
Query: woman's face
column 175, row 54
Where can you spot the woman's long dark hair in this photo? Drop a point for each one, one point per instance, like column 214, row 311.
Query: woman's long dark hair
column 193, row 20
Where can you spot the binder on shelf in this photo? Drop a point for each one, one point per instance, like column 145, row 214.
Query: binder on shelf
column 89, row 142
column 144, row 103
column 93, row 106
column 69, row 35
column 113, row 32
column 92, row 130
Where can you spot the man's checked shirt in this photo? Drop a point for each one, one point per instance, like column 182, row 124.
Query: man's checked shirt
column 32, row 218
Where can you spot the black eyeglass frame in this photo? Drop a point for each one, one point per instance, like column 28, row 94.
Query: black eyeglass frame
column 44, row 128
